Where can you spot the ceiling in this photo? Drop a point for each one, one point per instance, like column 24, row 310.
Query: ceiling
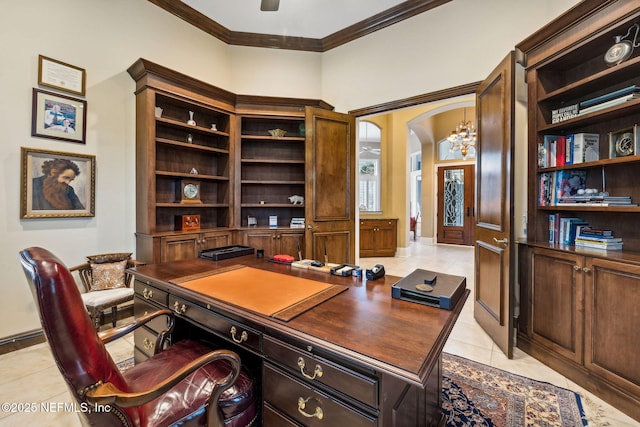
column 309, row 25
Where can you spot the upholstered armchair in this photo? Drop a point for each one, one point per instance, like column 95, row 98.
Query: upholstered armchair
column 183, row 384
column 106, row 284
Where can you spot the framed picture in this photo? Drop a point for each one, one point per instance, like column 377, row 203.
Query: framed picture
column 57, row 184
column 58, row 117
column 59, row 75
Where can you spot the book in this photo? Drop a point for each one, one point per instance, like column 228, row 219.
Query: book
column 546, row 189
column 568, row 183
column 598, row 245
column 607, row 104
column 595, row 232
column 609, row 96
column 580, row 142
column 601, row 239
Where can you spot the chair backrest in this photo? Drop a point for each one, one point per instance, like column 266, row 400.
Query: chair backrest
column 79, row 352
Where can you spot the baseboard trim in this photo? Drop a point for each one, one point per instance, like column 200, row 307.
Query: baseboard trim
column 36, row 336
column 22, row 340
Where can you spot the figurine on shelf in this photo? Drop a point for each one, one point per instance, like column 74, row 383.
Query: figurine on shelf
column 191, row 121
column 158, row 111
column 189, row 138
column 214, row 127
column 193, row 171
column 296, row 200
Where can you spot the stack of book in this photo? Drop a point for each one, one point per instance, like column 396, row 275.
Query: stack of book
column 596, row 200
column 598, row 239
column 609, row 99
column 297, row 223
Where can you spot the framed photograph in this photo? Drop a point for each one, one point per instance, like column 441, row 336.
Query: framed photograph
column 56, row 184
column 59, row 75
column 58, row 117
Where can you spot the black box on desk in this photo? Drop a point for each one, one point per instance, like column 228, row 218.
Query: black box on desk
column 226, row 252
column 430, row 288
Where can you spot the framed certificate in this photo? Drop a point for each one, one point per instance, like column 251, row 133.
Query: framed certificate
column 59, row 75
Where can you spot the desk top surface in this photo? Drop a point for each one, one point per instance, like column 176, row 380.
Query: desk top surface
column 364, row 323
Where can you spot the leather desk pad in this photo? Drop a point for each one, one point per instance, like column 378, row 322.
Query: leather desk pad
column 263, row 292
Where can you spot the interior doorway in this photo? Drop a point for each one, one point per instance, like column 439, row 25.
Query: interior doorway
column 456, row 209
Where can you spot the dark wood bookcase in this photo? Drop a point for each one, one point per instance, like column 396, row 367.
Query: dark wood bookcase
column 579, row 307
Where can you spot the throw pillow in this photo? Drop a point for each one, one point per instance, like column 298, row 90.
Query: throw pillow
column 108, row 275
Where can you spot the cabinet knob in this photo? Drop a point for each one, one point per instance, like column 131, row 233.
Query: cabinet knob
column 576, row 268
column 146, row 293
column 586, row 269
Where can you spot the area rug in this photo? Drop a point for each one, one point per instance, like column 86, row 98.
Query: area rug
column 475, row 394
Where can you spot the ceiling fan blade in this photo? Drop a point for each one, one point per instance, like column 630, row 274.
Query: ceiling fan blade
column 269, row 5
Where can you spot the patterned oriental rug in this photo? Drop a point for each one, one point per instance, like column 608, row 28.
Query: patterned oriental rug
column 475, row 394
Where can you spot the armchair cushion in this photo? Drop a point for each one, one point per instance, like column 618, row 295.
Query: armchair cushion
column 108, row 275
column 108, row 296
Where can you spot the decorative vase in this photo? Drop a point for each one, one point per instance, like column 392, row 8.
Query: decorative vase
column 191, row 121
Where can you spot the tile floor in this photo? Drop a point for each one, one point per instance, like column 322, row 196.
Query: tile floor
column 30, row 375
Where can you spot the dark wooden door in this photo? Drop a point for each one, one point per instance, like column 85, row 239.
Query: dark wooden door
column 330, row 186
column 456, row 209
column 493, row 298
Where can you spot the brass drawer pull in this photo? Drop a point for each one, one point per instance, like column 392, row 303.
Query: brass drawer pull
column 178, row 309
column 243, row 337
column 316, row 372
column 147, row 294
column 148, row 344
column 302, row 403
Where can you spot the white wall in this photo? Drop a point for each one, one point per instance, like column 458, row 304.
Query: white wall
column 106, row 37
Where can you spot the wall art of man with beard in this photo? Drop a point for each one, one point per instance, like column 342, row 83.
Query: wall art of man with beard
column 52, row 191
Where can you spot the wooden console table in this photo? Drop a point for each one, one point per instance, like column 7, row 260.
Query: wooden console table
column 360, row 358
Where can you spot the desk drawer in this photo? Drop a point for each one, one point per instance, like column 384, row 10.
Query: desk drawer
column 145, row 340
column 143, row 307
column 151, row 293
column 230, row 330
column 306, row 405
column 313, row 369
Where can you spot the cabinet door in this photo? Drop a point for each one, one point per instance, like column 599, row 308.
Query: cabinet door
column 612, row 322
column 178, row 247
column 290, row 243
column 367, row 238
column 215, row 240
column 330, row 186
column 261, row 239
column 557, row 302
column 386, row 238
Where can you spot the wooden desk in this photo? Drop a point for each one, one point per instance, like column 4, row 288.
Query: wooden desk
column 360, row 358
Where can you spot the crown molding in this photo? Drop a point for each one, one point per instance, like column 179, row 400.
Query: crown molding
column 377, row 22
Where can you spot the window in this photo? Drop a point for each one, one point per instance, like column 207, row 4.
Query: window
column 369, row 142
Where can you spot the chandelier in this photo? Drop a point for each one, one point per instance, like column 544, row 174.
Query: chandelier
column 463, row 137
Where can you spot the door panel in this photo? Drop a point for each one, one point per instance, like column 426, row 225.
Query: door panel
column 456, row 210
column 495, row 102
column 330, row 186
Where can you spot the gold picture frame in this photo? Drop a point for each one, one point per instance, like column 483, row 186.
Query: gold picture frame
column 56, row 184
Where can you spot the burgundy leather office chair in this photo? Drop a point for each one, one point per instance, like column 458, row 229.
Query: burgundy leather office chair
column 179, row 385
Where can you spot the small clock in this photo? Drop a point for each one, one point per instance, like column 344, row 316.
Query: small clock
column 623, row 143
column 188, row 191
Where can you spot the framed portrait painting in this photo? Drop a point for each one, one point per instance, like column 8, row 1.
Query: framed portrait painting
column 56, row 184
column 58, row 116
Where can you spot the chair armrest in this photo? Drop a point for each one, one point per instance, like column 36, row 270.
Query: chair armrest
column 108, row 394
column 120, row 331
